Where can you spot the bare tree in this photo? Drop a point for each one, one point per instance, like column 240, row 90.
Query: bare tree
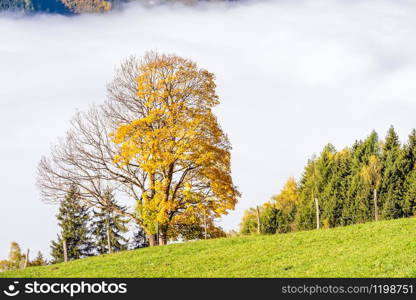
column 85, row 157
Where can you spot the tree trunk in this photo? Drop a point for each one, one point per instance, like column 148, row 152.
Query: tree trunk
column 162, row 239
column 318, row 222
column 258, row 220
column 157, row 231
column 375, row 205
column 205, row 226
column 65, row 251
column 26, row 259
column 152, row 240
column 108, row 239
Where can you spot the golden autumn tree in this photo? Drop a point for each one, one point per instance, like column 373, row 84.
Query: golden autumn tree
column 178, row 144
column 371, row 173
column 288, row 197
column 88, row 6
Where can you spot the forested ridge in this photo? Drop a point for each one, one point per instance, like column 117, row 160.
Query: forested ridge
column 372, row 180
column 67, row 7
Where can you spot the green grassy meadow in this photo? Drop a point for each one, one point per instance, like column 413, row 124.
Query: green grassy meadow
column 376, row 249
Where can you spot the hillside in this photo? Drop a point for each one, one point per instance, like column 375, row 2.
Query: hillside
column 70, row 7
column 377, row 249
column 35, row 6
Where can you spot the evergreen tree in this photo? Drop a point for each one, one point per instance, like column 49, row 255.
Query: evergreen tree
column 108, row 228
column 269, row 219
column 358, row 204
column 393, row 166
column 139, row 239
column 249, row 222
column 272, row 220
column 409, row 186
column 314, row 193
column 334, row 194
column 368, row 181
column 278, row 218
column 305, row 214
column 409, row 195
column 73, row 220
column 410, row 152
column 353, row 186
column 371, row 174
column 38, row 261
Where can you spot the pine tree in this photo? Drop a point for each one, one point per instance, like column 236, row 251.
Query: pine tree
column 353, row 186
column 108, row 228
column 334, row 194
column 371, row 174
column 409, row 195
column 139, row 239
column 368, row 181
column 305, row 214
column 269, row 219
column 409, row 186
column 410, row 152
column 249, row 222
column 393, row 167
column 73, row 220
column 279, row 217
column 38, row 261
column 322, row 172
column 358, row 204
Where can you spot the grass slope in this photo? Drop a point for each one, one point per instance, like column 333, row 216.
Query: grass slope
column 377, row 249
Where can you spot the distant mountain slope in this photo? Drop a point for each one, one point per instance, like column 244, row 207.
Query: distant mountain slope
column 35, row 6
column 50, row 6
column 16, row 5
column 68, row 7
column 376, row 249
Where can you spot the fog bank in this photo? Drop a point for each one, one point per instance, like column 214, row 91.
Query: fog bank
column 291, row 75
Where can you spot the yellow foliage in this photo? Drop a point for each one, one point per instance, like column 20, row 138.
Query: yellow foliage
column 177, row 142
column 88, row 6
column 326, row 224
column 371, row 172
column 288, row 196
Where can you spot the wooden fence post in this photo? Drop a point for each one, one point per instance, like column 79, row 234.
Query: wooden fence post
column 65, row 250
column 205, row 226
column 318, row 225
column 26, row 259
column 258, row 219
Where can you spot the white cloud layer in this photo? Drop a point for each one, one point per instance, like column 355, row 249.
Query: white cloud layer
column 292, row 76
